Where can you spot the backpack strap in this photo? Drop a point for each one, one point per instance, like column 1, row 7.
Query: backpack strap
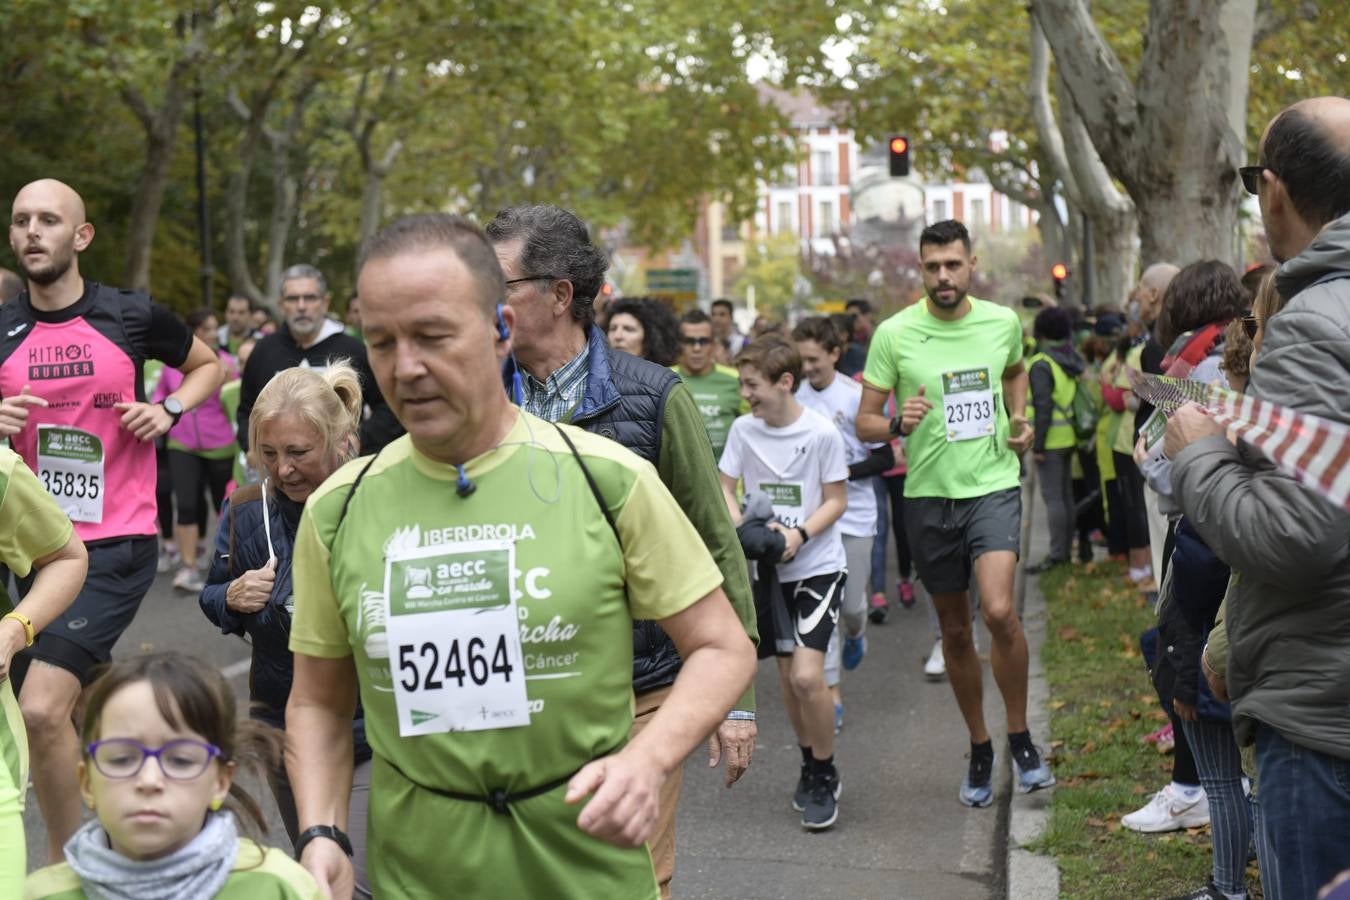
column 352, row 493
column 590, row 480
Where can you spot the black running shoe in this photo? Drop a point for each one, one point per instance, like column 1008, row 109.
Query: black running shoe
column 803, row 792
column 822, row 802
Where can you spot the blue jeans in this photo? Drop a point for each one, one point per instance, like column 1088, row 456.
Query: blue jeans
column 1303, row 817
column 1220, row 767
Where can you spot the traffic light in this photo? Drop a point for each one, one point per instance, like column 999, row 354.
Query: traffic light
column 899, row 148
column 1059, row 272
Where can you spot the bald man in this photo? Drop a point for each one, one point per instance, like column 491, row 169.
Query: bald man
column 1288, row 618
column 73, row 406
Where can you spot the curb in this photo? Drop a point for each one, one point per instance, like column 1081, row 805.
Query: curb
column 1032, row 876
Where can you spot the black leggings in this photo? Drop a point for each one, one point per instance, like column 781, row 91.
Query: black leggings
column 1131, row 483
column 895, row 486
column 193, row 476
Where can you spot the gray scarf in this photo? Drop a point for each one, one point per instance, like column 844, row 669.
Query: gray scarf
column 198, row 869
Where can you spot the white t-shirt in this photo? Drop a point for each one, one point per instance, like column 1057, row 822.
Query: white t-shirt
column 839, row 403
column 790, row 464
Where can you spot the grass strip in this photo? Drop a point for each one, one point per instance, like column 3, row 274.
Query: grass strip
column 1101, row 705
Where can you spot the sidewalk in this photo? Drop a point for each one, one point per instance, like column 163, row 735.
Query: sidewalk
column 901, row 831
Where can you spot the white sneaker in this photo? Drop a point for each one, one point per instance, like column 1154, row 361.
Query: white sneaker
column 935, row 668
column 1169, row 810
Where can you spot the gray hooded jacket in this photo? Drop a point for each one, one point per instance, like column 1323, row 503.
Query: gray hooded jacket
column 1289, row 607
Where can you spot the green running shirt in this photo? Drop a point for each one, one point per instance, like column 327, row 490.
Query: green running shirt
column 718, row 397
column 578, row 592
column 914, row 348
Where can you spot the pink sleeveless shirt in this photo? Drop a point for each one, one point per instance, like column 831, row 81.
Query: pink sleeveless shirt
column 83, row 360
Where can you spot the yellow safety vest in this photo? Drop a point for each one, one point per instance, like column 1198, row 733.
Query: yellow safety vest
column 1061, row 435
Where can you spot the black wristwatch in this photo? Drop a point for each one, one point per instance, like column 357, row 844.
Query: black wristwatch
column 332, row 832
column 802, row 531
column 895, row 427
column 173, row 408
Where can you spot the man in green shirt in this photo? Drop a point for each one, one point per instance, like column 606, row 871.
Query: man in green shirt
column 955, row 365
column 716, row 388
column 478, row 580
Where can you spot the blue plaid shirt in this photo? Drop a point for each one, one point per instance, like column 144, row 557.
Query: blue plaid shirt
column 557, row 397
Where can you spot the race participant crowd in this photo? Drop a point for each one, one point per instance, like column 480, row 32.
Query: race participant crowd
column 504, row 560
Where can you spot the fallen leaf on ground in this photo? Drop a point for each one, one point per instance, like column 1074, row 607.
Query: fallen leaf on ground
column 1068, row 633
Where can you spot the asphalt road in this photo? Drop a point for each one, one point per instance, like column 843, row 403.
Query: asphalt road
column 901, row 832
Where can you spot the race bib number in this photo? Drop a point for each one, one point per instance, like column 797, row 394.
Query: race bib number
column 968, row 404
column 787, row 502
column 70, row 464
column 454, row 638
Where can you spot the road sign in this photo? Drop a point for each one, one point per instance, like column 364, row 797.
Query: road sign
column 672, row 281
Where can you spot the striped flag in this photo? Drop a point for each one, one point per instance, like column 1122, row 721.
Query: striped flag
column 1315, row 451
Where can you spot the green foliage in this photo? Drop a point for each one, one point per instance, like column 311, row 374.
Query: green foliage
column 773, row 266
column 1101, row 705
column 627, row 111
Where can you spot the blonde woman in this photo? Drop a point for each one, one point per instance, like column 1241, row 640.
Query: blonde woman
column 302, row 427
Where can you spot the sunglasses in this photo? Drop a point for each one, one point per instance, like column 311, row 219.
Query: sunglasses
column 1250, row 325
column 695, row 341
column 1251, row 176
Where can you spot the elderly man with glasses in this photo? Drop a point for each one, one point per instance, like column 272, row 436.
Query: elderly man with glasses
column 563, row 370
column 309, row 338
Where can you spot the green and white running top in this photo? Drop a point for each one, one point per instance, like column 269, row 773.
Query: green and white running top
column 31, row 526
column 260, row 873
column 960, row 448
column 411, row 552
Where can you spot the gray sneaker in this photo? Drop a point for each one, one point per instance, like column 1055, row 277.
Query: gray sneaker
column 803, row 792
column 822, row 802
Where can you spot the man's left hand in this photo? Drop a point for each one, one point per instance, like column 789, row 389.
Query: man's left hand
column 734, row 739
column 145, row 420
column 1020, row 435
column 1186, row 426
column 626, row 799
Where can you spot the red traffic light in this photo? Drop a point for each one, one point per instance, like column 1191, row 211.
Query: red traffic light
column 899, row 145
column 1059, row 271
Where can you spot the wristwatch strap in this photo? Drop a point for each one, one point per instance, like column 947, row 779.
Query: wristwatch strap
column 332, row 832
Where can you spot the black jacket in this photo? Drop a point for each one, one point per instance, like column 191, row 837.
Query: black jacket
column 241, row 545
column 625, row 401
column 280, row 351
column 1192, row 590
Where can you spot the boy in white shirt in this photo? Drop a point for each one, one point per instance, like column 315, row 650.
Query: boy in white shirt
column 797, row 457
column 836, row 397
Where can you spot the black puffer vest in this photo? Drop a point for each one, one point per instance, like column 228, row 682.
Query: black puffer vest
column 625, row 401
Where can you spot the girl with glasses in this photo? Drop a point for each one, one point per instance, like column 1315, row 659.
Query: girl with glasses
column 162, row 745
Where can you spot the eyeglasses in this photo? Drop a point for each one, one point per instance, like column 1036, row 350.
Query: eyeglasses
column 1250, row 325
column 512, row 281
column 1251, row 176
column 181, row 760
column 301, row 298
column 695, row 341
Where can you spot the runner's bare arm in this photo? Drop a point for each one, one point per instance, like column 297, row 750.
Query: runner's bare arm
column 1020, row 433
column 729, row 495
column 60, row 575
column 202, row 377
column 872, row 424
column 719, row 661
column 319, row 760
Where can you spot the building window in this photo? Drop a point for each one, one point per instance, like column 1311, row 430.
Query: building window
column 827, row 223
column 731, row 233
column 825, row 172
column 784, row 224
column 1016, row 218
column 977, row 213
column 939, row 210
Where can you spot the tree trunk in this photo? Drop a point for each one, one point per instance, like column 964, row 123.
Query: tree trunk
column 1174, row 139
column 236, row 210
column 1087, row 182
column 161, row 133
